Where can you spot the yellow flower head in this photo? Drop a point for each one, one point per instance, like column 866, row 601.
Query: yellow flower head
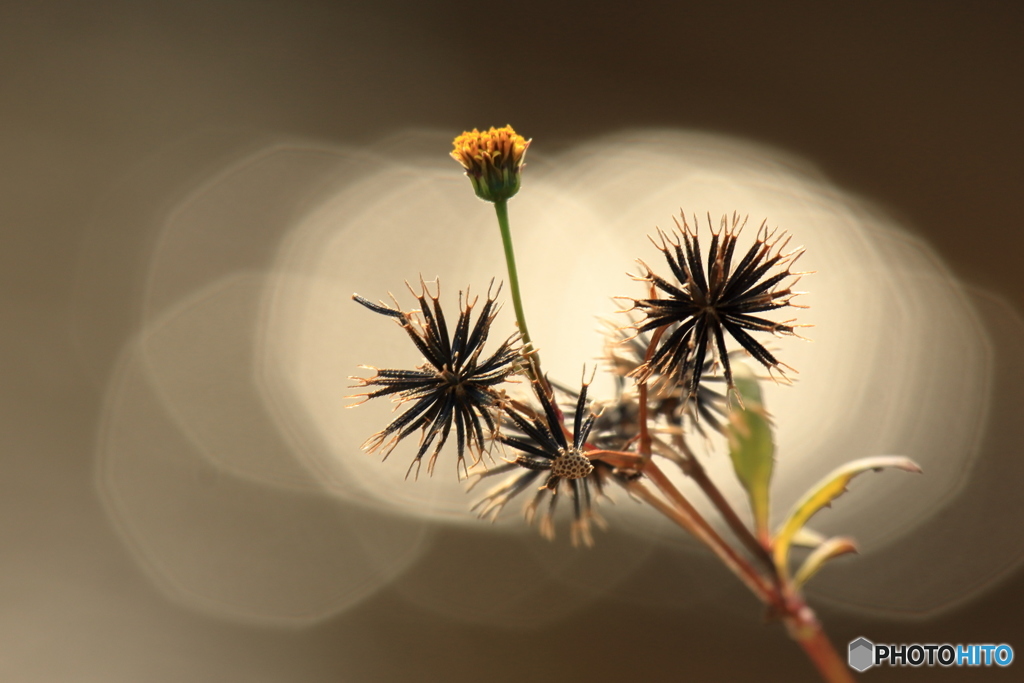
column 493, row 161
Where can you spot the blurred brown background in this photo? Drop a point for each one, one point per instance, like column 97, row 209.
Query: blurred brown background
column 915, row 106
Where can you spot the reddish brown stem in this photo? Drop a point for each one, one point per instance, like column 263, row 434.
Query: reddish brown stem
column 736, row 565
column 805, row 629
column 645, row 434
column 622, row 459
column 693, row 469
column 705, row 533
column 801, row 622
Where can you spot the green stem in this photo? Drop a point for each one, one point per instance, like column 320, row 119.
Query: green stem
column 501, row 208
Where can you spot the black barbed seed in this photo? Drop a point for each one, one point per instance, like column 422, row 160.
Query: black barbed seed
column 378, row 308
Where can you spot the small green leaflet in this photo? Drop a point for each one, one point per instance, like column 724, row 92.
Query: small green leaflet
column 752, row 450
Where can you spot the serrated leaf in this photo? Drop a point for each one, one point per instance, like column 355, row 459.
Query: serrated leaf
column 823, row 493
column 833, row 547
column 751, row 449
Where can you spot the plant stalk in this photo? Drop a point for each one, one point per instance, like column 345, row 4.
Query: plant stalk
column 705, row 533
column 692, row 468
column 805, row 629
column 801, row 622
column 501, row 209
column 645, row 434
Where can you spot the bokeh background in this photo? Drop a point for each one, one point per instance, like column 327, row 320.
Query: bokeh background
column 112, row 113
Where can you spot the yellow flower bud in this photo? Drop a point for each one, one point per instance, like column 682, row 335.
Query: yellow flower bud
column 493, row 161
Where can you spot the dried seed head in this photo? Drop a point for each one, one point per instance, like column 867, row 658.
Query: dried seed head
column 457, row 385
column 545, row 448
column 570, row 464
column 705, row 304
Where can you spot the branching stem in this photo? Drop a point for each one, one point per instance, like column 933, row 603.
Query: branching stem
column 704, row 532
column 692, row 467
column 801, row 622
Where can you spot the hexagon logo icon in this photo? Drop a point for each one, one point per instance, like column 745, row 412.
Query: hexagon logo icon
column 862, row 654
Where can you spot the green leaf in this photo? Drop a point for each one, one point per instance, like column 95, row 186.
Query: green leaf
column 822, row 495
column 749, row 432
column 833, row 547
